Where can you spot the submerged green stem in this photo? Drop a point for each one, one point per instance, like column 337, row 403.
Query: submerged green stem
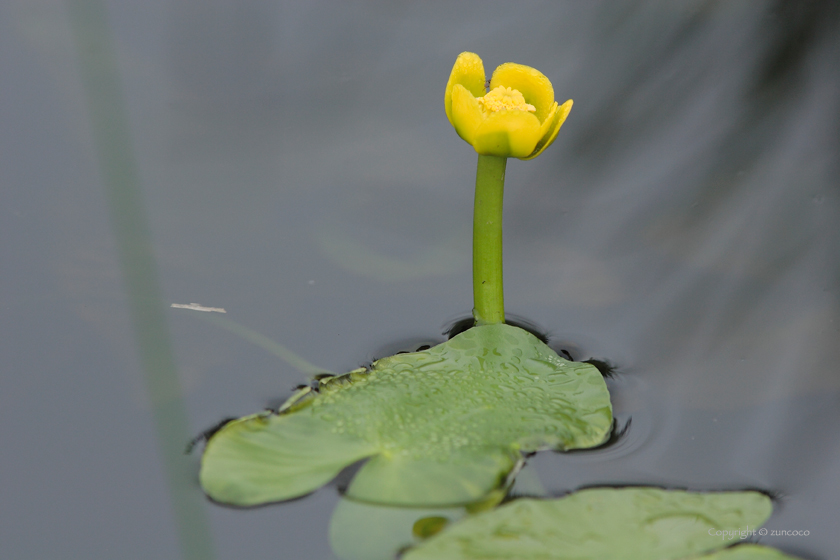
column 488, row 290
column 99, row 72
column 263, row 342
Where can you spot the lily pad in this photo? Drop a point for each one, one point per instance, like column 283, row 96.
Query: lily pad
column 362, row 531
column 365, row 531
column 444, row 426
column 615, row 523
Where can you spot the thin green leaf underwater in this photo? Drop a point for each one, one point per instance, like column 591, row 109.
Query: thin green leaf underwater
column 614, row 523
column 448, row 425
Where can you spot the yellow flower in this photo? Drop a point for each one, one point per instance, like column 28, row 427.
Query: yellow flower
column 518, row 117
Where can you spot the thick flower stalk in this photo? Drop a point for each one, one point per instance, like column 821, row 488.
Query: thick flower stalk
column 517, row 117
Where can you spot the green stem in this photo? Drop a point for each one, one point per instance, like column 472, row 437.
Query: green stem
column 99, row 73
column 297, row 362
column 488, row 290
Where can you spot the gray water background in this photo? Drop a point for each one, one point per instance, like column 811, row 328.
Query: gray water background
column 293, row 164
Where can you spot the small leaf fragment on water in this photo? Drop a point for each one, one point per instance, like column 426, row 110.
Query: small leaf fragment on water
column 197, row 307
column 426, row 527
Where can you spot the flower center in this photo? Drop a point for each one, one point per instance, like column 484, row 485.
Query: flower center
column 503, row 98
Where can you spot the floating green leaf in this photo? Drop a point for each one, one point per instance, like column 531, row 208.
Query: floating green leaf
column 444, row 426
column 615, row 523
column 363, row 531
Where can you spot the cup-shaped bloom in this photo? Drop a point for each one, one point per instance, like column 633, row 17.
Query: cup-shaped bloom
column 518, row 117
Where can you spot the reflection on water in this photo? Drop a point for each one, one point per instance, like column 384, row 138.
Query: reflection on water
column 683, row 228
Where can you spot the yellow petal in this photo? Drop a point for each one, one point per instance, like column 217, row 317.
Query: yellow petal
column 507, row 134
column 533, row 85
column 546, row 129
column 466, row 115
column 548, row 136
column 469, row 73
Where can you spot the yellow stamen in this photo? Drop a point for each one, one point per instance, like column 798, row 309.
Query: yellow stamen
column 504, row 98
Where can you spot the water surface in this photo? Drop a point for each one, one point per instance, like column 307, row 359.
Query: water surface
column 295, row 167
